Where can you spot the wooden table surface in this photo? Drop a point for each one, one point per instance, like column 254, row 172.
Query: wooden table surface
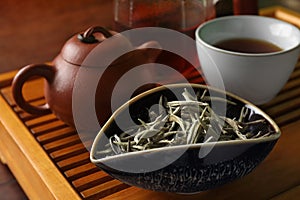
column 34, row 32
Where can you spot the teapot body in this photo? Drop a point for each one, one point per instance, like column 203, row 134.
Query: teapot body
column 58, row 91
column 72, row 88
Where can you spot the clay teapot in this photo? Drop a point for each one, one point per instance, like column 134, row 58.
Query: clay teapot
column 72, row 75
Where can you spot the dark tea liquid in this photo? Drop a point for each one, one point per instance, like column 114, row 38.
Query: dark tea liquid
column 187, row 31
column 167, row 14
column 247, row 45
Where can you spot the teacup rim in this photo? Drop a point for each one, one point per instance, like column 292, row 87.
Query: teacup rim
column 283, row 51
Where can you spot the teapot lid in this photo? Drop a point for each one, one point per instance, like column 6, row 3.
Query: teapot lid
column 79, row 46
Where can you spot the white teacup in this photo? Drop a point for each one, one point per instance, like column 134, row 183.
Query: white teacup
column 257, row 77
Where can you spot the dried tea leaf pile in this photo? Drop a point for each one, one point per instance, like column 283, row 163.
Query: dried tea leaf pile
column 186, row 122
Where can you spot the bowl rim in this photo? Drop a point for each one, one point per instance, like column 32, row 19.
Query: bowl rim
column 272, row 137
column 244, row 17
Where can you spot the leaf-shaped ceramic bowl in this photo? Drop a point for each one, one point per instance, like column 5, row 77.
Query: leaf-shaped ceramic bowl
column 184, row 168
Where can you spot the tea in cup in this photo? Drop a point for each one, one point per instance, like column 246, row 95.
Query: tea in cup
column 253, row 55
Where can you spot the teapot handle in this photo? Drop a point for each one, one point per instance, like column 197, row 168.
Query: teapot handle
column 19, row 80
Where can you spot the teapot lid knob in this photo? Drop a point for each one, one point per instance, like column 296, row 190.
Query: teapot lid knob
column 79, row 46
column 88, row 35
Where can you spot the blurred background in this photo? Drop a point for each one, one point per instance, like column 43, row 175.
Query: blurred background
column 34, row 31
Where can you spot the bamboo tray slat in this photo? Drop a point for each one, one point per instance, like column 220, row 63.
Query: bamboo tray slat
column 65, row 149
column 62, row 156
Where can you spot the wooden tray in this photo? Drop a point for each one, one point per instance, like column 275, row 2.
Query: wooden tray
column 50, row 162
